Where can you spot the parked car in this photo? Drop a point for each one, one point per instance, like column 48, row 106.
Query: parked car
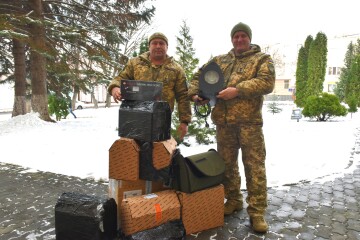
column 79, row 105
column 296, row 114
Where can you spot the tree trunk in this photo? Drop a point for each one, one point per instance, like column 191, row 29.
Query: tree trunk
column 39, row 101
column 94, row 100
column 20, row 78
column 74, row 98
column 108, row 100
column 114, row 72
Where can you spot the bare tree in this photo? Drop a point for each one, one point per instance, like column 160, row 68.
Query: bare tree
column 276, row 56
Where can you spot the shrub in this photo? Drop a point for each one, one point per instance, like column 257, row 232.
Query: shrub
column 323, row 107
column 58, row 106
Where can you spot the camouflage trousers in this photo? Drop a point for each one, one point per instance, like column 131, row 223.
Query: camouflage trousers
column 250, row 138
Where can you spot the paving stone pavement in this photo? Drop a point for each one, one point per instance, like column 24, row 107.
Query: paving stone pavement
column 329, row 210
column 308, row 210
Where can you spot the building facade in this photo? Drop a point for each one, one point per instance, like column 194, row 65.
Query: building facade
column 286, row 71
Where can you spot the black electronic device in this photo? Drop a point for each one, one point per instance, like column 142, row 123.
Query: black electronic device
column 140, row 90
column 148, row 121
column 211, row 82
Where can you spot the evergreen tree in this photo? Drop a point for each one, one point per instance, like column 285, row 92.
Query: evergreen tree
column 352, row 103
column 301, row 72
column 13, row 55
column 348, row 88
column 185, row 51
column 317, row 65
column 357, row 47
column 144, row 46
column 273, row 106
column 354, row 82
column 79, row 37
column 186, row 57
column 341, row 89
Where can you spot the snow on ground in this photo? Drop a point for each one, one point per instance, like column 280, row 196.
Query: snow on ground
column 296, row 151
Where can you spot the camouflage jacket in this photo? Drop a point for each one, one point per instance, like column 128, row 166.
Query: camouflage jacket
column 253, row 74
column 171, row 74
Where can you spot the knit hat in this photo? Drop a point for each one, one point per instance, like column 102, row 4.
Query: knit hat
column 158, row 35
column 241, row 27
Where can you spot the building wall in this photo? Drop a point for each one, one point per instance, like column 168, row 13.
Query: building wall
column 282, row 91
column 6, row 96
column 99, row 92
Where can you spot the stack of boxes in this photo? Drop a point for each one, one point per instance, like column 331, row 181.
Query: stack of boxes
column 124, row 181
column 144, row 203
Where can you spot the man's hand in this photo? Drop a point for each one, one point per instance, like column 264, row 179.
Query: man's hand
column 116, row 94
column 182, row 130
column 199, row 101
column 228, row 93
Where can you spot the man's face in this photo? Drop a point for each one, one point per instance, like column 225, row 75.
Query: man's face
column 241, row 42
column 158, row 49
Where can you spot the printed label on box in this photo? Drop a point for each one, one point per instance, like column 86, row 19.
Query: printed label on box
column 151, row 195
column 132, row 193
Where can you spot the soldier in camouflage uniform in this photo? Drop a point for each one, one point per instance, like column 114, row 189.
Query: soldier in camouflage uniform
column 156, row 65
column 248, row 75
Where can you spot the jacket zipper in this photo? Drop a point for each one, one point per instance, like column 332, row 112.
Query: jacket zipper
column 227, row 81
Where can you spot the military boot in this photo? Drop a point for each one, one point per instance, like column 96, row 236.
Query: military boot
column 232, row 206
column 259, row 224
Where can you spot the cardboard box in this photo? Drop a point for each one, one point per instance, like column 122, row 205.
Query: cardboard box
column 122, row 189
column 203, row 209
column 163, row 152
column 124, row 160
column 148, row 211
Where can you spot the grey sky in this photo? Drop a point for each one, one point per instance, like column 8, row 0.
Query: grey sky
column 272, row 22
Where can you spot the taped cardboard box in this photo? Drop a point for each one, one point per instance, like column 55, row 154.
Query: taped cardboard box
column 203, row 209
column 163, row 152
column 147, row 211
column 124, row 157
column 82, row 216
column 121, row 189
column 124, row 160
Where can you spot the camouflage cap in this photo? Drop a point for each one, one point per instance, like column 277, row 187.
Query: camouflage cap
column 241, row 27
column 158, row 35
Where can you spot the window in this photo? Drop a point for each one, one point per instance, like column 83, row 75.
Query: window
column 331, row 87
column 334, row 70
column 338, row 70
column 286, row 84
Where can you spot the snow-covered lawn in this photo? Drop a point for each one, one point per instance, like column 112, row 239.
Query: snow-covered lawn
column 296, row 151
